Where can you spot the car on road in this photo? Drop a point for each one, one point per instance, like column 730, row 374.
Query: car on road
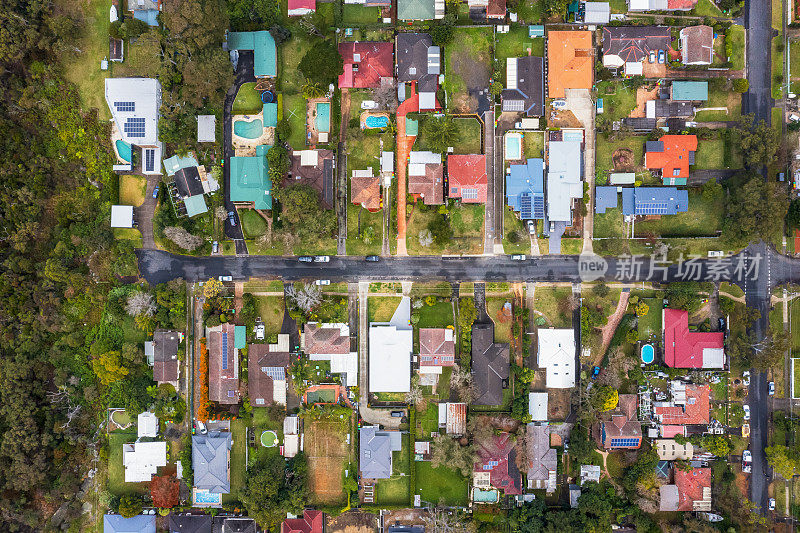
column 373, row 258
column 746, row 378
column 225, row 278
column 398, row 414
column 662, row 56
column 232, row 218
column 771, row 386
column 305, row 259
column 652, row 56
column 772, row 504
column 155, row 191
column 518, row 257
column 746, row 411
column 323, row 282
column 214, row 247
column 747, row 457
column 322, row 259
column 745, row 430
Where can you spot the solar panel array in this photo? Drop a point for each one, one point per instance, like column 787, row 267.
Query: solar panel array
column 525, row 206
column 125, row 106
column 653, row 208
column 538, row 206
column 277, row 373
column 134, row 127
column 149, row 160
column 624, row 442
column 224, row 351
column 469, row 194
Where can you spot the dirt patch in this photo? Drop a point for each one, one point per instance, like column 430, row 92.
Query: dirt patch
column 611, row 326
column 474, row 71
column 623, row 160
column 328, row 453
column 643, row 95
column 405, row 517
column 564, row 119
column 352, row 522
column 558, row 404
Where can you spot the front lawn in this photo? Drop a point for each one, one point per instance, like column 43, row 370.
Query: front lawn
column 396, row 490
column 436, row 484
column 248, row 100
column 132, row 190
column 439, row 315
column 271, row 310
column 381, row 308
column 253, row 224
column 466, row 221
column 706, row 8
column 703, row 219
column 516, row 239
column 552, row 302
column 650, row 324
column 467, row 66
column 710, row 154
column 502, row 325
column 364, row 231
column 610, row 224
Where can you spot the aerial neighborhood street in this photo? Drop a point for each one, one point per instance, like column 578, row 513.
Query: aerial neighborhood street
column 389, row 266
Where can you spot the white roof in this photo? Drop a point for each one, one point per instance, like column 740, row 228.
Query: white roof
column 590, row 473
column 427, row 101
column 134, row 104
column 563, row 179
column 425, row 158
column 390, row 358
column 537, row 406
column 147, row 425
column 206, row 128
column 713, row 358
column 634, row 68
column 142, row 459
column 511, row 72
column 557, row 354
column 347, row 364
column 363, row 172
column 121, row 216
column 597, row 13
column 291, row 425
column 387, row 161
column 650, row 109
column 291, row 445
column 308, row 158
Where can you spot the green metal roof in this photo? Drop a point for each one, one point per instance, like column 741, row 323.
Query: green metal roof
column 270, row 115
column 412, row 127
column 535, row 31
column 175, row 163
column 415, row 9
column 195, row 205
column 239, row 337
column 262, row 44
column 250, row 179
column 690, row 90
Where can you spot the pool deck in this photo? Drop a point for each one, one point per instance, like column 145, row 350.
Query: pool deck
column 312, row 134
column 247, row 147
column 366, row 114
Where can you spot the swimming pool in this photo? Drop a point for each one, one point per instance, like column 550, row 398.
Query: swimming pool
column 204, row 497
column 513, row 147
column 248, row 130
column 485, row 496
column 124, row 150
column 376, row 121
column 648, row 353
column 323, row 119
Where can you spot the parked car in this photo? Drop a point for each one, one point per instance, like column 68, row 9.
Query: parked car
column 155, row 191
column 771, row 386
column 397, row 414
column 746, row 378
column 232, row 218
column 745, row 430
column 652, row 56
column 225, row 278
column 201, row 428
column 747, row 468
column 747, row 457
column 214, row 247
column 518, row 257
column 662, row 57
column 373, row 258
column 559, row 104
column 305, row 259
column 321, row 259
column 369, row 104
column 772, row 504
column 531, row 227
column 746, row 411
column 323, row 282
column 721, row 324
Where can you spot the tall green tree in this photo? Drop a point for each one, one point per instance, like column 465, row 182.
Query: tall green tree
column 322, row 63
column 440, row 132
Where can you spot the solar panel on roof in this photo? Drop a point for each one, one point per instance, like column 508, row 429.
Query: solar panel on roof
column 134, row 127
column 277, row 373
column 149, row 160
column 525, row 206
column 224, row 351
column 125, row 106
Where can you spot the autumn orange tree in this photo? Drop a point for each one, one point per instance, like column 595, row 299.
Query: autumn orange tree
column 202, row 408
column 165, row 491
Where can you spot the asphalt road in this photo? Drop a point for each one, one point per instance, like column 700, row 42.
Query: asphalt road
column 758, row 22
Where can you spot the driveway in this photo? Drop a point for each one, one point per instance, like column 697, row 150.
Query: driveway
column 493, row 188
column 580, row 102
column 145, row 212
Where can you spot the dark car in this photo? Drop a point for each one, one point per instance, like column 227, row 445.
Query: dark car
column 373, row 258
column 232, row 218
column 595, row 372
column 305, row 259
column 397, row 414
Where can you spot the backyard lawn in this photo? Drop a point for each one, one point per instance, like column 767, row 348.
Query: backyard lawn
column 270, row 309
column 710, row 154
column 356, row 14
column 516, row 231
column 427, row 421
column 650, row 324
column 529, row 11
column 610, row 224
column 606, row 148
column 364, row 231
column 83, row 69
column 618, row 100
column 363, row 149
column 116, row 471
column 469, row 136
column 516, row 43
column 290, row 84
column 466, row 221
column 533, row 144
column 467, row 66
column 381, row 308
column 396, row 490
column 253, row 224
column 248, row 100
column 552, row 302
column 435, row 484
column 703, row 219
column 237, row 465
column 439, row 315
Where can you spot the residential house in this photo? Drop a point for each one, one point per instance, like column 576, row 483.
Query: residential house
column 146, row 425
column 564, row 174
column 495, row 465
column 250, row 185
column 114, row 523
column 453, row 418
column 291, row 435
column 314, row 168
column 420, row 9
column 310, row 522
column 418, row 60
column 596, row 12
column 650, row 201
column 116, row 49
column 697, row 45
column 237, row 524
column 605, row 198
column 266, row 371
column 623, row 45
column 570, row 62
column 375, row 451
column 491, row 9
column 426, row 177
column 261, row 43
column 690, row 491
column 223, row 364
column 390, row 350
column 556, row 354
column 689, row 404
column 669, row 450
column 524, row 92
column 437, row 349
column 525, row 189
column 165, row 356
column 542, row 459
column 145, row 10
column 134, row 105
column 691, row 91
column 206, row 129
column 490, row 365
column 211, row 460
column 331, row 342
column 190, row 523
column 661, row 5
column 467, row 178
column 664, row 108
column 621, row 428
column 142, row 459
column 367, row 64
column 671, row 155
column 690, row 349
column 537, row 406
column 298, row 8
column 191, row 182
column 365, row 189
column 590, row 474
column 121, row 216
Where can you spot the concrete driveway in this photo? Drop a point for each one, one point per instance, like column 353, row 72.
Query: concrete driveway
column 580, row 102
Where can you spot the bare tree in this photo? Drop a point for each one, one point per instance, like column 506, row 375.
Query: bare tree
column 140, row 303
column 446, row 451
column 386, row 97
column 306, row 298
column 522, row 459
column 183, row 238
column 461, row 381
column 425, row 238
column 220, row 213
column 439, row 520
column 416, row 397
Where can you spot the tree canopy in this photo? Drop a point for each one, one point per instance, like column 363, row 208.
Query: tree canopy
column 322, row 63
column 274, row 487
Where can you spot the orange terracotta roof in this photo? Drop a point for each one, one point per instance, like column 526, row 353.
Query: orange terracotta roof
column 366, row 192
column 467, row 178
column 674, row 157
column 696, row 411
column 570, row 58
column 690, row 486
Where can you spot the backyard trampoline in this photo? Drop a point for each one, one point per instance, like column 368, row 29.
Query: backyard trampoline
column 269, row 439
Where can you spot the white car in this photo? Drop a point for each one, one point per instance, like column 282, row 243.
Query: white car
column 746, row 411
column 369, row 104
column 772, row 504
column 518, row 257
column 746, row 378
column 652, row 56
column 226, row 278
column 322, row 259
column 747, row 457
column 323, row 282
column 771, row 386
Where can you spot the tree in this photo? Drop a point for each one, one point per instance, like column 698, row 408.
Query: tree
column 442, row 30
column 439, row 520
column 311, row 89
column 580, row 445
column 140, row 303
column 322, row 63
column 165, row 491
column 447, row 452
column 279, row 164
column 108, row 367
column 642, row 309
column 305, row 297
column 741, row 85
column 528, row 517
column 130, row 506
column 303, row 213
column 793, row 214
column 441, row 133
column 131, row 28
column 183, row 238
column 757, row 141
column 440, row 229
column 604, row 398
column 274, row 487
column 712, row 191
column 601, row 290
column 782, row 460
column 251, row 14
column 753, row 207
column 425, row 238
column 212, row 288
column 718, row 445
column 771, row 351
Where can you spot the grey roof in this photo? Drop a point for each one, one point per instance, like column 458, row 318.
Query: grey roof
column 670, row 108
column 542, row 459
column 640, row 123
column 490, row 365
column 405, row 529
column 210, row 461
column 239, row 524
column 418, row 59
column 654, row 146
column 604, row 198
column 206, row 128
column 165, row 355
column 114, row 523
column 634, row 43
column 146, row 5
column 669, row 498
column 528, row 96
column 188, row 523
column 597, row 12
column 375, row 452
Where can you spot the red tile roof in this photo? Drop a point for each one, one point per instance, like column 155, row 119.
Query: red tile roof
column 467, row 178
column 434, row 347
column 302, row 4
column 366, row 192
column 312, row 522
column 682, row 5
column 375, row 61
column 428, row 186
column 690, row 486
column 695, row 411
column 324, row 341
column 697, row 45
column 684, row 348
column 222, row 381
column 496, row 9
column 675, row 156
column 624, row 423
column 497, row 456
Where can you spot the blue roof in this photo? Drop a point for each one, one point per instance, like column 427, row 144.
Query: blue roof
column 654, row 201
column 690, row 90
column 176, row 162
column 525, row 189
column 195, row 205
column 114, row 523
column 150, row 16
column 604, row 198
column 271, row 115
column 265, row 54
column 536, row 30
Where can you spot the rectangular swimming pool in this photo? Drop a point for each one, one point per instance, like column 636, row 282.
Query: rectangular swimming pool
column 513, row 146
column 323, row 119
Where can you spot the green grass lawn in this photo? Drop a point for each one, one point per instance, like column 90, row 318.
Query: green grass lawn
column 777, row 66
column 129, row 234
column 469, row 136
column 794, row 59
column 253, row 224
column 605, row 150
column 248, row 100
column 618, row 100
column 735, row 36
column 515, row 43
column 294, row 110
column 363, row 149
column 470, row 46
column 610, row 224
column 615, row 463
column 650, row 324
column 466, row 220
column 516, row 230
column 529, row 11
column 794, row 316
column 270, row 309
column 439, row 315
column 132, row 190
column 533, row 144
column 237, row 464
column 396, row 490
column 381, row 308
column 355, row 14
column 364, row 231
column 427, row 421
column 83, row 67
column 710, row 154
column 435, row 484
column 703, row 219
column 116, row 471
column 502, row 330
column 706, row 8
column 552, row 303
column 721, row 97
column 290, row 83
column 619, row 6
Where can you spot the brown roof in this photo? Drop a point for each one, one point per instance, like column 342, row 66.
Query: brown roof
column 436, row 347
column 624, row 421
column 223, row 379
column 165, row 355
column 259, row 383
column 319, row 177
column 697, row 45
column 366, row 191
column 430, row 186
column 320, row 340
column 496, row 9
